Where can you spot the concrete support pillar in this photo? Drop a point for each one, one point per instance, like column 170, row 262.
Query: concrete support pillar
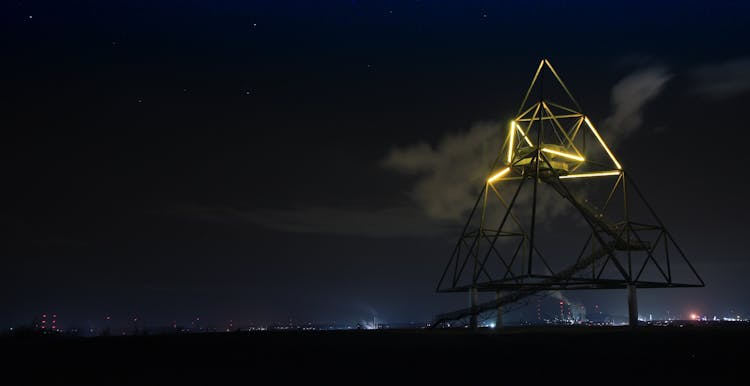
column 474, row 301
column 499, row 315
column 632, row 306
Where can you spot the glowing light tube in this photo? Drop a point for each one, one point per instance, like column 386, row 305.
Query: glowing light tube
column 510, row 140
column 498, row 175
column 592, row 174
column 561, row 154
column 524, row 135
column 604, row 145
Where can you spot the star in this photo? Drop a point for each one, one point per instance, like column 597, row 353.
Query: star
column 31, row 16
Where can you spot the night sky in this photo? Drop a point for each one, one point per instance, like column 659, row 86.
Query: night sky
column 269, row 160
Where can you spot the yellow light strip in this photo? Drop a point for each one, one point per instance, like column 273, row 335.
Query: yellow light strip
column 593, row 174
column 524, row 135
column 561, row 154
column 548, row 118
column 498, row 175
column 512, row 135
column 604, row 145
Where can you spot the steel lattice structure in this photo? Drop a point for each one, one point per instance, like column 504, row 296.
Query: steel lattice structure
column 553, row 153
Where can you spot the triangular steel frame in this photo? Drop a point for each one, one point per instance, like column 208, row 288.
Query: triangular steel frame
column 550, row 143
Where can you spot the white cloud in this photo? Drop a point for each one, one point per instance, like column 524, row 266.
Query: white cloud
column 449, row 174
column 722, row 80
column 629, row 96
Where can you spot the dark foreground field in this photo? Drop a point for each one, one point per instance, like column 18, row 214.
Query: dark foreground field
column 606, row 356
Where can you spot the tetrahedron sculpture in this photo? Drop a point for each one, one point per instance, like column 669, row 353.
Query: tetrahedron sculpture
column 558, row 212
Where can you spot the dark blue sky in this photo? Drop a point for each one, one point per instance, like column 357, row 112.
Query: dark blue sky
column 225, row 159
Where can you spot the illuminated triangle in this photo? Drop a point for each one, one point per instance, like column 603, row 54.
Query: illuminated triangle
column 562, row 184
column 566, row 138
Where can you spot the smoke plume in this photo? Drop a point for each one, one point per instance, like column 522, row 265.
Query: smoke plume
column 577, row 309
